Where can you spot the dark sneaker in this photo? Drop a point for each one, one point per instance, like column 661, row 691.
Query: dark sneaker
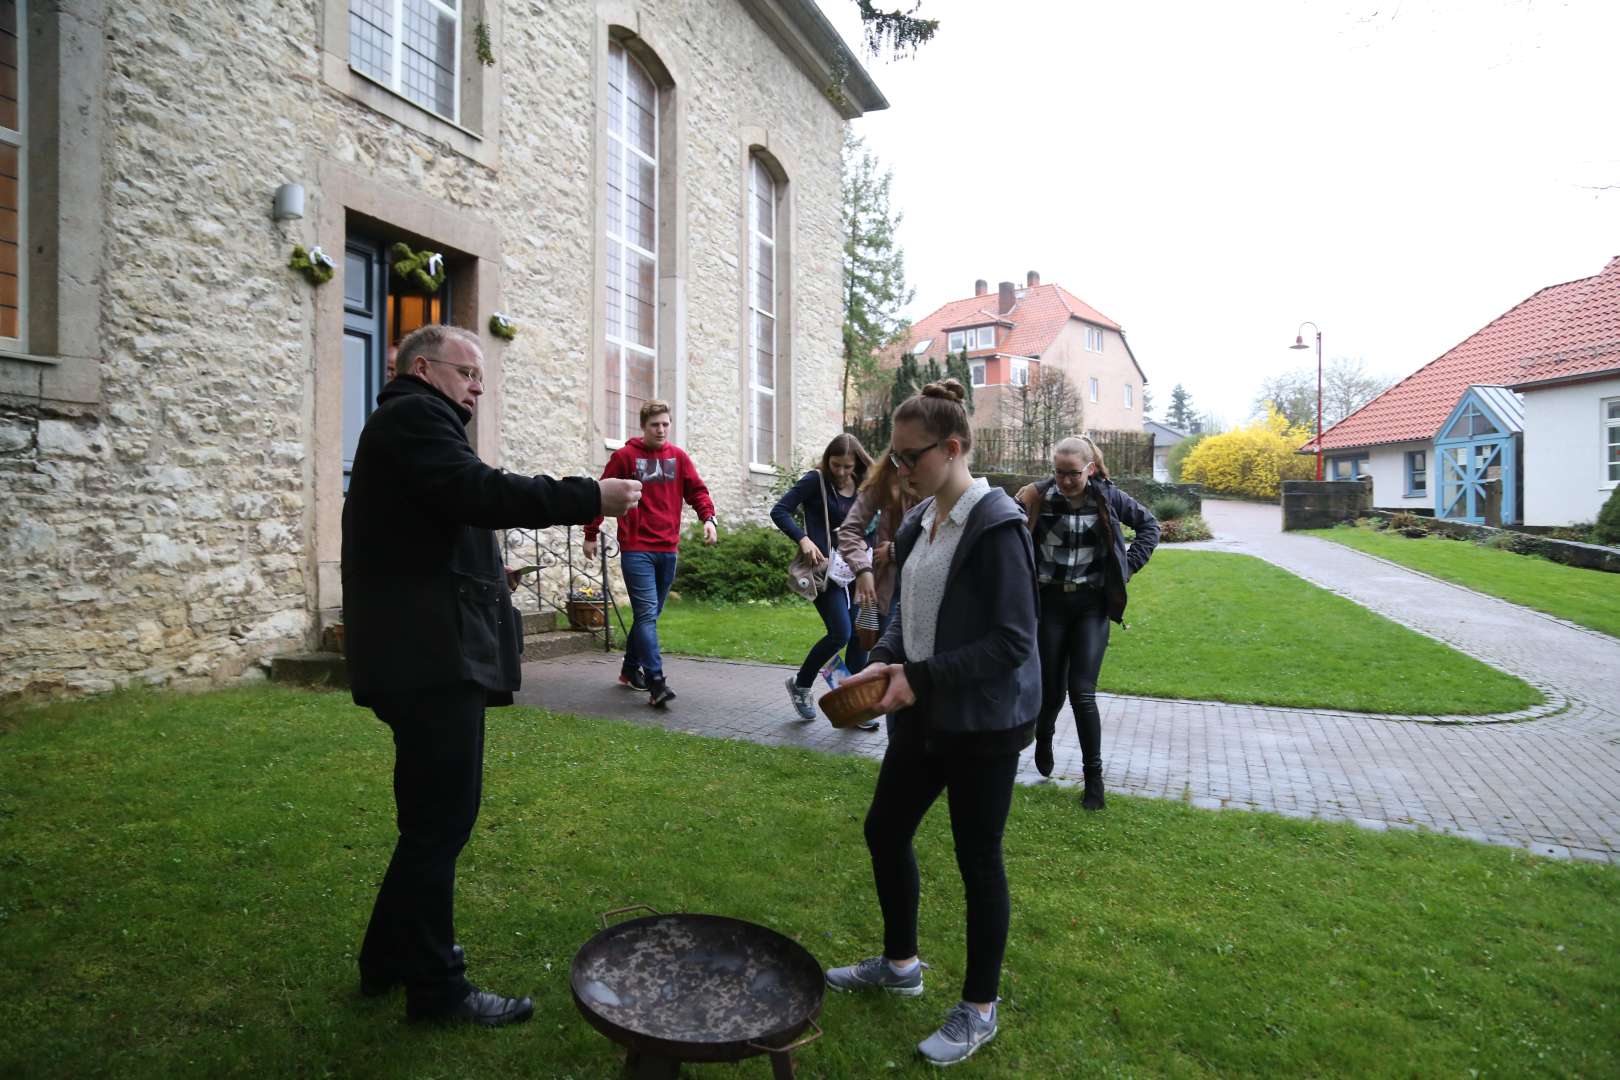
column 874, row 973
column 658, row 693
column 800, row 696
column 633, row 678
column 870, row 725
column 962, row 1033
column 479, row 1007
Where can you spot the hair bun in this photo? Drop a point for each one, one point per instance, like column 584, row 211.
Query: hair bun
column 949, row 389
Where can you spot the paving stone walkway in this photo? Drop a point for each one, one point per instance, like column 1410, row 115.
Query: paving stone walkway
column 1549, row 782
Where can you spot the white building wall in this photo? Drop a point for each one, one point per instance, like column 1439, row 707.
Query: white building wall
column 1387, row 466
column 1565, row 478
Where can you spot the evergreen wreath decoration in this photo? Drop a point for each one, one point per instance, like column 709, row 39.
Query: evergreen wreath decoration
column 486, row 51
column 502, row 326
column 316, row 265
column 421, row 271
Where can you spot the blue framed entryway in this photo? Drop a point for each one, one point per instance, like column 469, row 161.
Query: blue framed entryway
column 1476, row 457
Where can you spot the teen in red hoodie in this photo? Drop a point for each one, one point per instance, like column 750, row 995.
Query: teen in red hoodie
column 649, row 536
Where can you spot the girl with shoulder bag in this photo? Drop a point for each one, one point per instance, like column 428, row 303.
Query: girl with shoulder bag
column 824, row 496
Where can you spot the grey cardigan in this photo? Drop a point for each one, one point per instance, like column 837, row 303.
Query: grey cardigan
column 981, row 689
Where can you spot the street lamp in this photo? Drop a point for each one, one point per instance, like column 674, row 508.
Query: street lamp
column 1299, row 343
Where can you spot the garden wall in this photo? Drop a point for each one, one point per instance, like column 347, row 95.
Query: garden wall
column 1321, row 504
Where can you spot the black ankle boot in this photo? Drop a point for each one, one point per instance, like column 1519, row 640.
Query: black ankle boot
column 1093, row 798
column 1043, row 754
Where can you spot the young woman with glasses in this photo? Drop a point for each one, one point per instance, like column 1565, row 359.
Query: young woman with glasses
column 962, row 690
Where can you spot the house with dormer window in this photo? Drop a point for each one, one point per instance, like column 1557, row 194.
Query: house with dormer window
column 1517, row 424
column 1015, row 333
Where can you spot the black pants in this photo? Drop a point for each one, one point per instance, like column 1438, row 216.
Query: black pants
column 979, row 793
column 1073, row 636
column 438, row 782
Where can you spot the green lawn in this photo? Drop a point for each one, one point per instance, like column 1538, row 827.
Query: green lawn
column 186, row 879
column 1588, row 597
column 1203, row 624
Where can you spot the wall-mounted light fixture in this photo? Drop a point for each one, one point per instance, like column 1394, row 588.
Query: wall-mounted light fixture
column 289, row 203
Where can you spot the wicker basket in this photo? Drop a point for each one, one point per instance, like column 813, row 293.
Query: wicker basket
column 851, row 705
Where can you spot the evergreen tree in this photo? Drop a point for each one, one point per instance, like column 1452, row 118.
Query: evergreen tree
column 956, row 367
column 907, row 381
column 874, row 269
column 896, row 29
column 1147, row 403
column 1180, row 414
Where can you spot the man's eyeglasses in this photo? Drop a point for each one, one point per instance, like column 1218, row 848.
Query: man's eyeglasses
column 908, row 459
column 471, row 374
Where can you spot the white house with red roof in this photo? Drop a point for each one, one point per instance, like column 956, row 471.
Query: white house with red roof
column 1011, row 335
column 1520, row 422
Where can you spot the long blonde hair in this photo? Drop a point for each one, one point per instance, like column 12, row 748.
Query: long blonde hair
column 887, row 481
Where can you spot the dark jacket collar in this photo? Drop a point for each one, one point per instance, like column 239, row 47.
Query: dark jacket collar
column 403, row 385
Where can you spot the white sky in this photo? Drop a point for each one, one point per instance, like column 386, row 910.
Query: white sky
column 1211, row 174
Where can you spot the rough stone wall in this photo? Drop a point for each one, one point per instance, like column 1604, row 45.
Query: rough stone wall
column 1319, row 504
column 162, row 536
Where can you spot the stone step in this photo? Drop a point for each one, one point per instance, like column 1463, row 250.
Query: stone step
column 310, row 669
column 559, row 643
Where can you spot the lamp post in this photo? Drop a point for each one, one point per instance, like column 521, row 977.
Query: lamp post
column 1299, row 343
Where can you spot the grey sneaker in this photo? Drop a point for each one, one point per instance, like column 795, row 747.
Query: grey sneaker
column 800, row 696
column 874, row 973
column 963, row 1032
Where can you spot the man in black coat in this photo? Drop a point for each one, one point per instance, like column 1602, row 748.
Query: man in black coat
column 432, row 638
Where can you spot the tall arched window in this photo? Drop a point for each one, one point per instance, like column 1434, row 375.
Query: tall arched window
column 762, row 313
column 630, row 348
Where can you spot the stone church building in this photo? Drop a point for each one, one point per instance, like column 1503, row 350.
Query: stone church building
column 648, row 189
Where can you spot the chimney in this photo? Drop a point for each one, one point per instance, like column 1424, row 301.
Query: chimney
column 981, row 287
column 1008, row 295
column 1033, row 278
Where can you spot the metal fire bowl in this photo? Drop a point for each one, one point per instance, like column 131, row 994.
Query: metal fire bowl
column 696, row 987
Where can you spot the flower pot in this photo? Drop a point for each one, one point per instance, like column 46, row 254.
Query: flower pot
column 586, row 614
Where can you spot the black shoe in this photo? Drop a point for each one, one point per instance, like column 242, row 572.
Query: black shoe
column 1093, row 798
column 1043, row 755
column 633, row 678
column 480, row 1007
column 659, row 694
column 378, row 985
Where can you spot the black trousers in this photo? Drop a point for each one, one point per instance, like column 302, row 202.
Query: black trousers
column 1072, row 638
column 438, row 783
column 979, row 793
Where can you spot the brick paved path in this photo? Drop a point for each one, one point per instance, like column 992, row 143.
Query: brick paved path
column 1550, row 783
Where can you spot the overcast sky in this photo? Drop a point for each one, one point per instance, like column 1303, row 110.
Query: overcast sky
column 1209, row 175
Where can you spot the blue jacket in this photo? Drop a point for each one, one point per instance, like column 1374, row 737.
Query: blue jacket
column 981, row 689
column 805, row 496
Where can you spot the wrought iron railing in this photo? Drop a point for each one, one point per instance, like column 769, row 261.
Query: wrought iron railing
column 566, row 578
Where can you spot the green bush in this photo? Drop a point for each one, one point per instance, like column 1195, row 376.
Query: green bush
column 1184, row 530
column 749, row 563
column 1170, row 507
column 1607, row 529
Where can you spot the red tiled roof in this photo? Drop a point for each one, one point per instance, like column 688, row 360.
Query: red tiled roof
column 1588, row 339
column 1038, row 315
column 1534, row 331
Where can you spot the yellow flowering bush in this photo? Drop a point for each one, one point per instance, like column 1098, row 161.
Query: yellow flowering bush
column 1252, row 460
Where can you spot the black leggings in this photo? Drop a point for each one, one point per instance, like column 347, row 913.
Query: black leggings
column 1073, row 636
column 979, row 793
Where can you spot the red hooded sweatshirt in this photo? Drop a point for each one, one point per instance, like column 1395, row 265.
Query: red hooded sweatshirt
column 667, row 477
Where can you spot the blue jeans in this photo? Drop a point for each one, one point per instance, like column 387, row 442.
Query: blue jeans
column 838, row 612
column 648, row 575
